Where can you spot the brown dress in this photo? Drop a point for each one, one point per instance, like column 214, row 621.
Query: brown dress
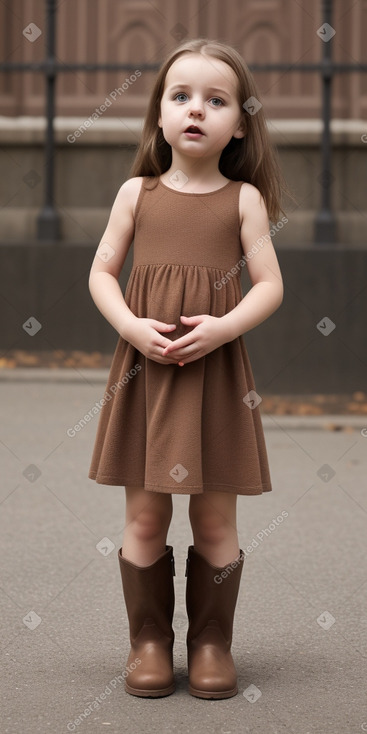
column 183, row 430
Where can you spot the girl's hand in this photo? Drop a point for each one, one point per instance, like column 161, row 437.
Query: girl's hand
column 208, row 334
column 144, row 335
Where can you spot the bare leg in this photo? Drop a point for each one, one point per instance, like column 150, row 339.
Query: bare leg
column 214, row 526
column 148, row 516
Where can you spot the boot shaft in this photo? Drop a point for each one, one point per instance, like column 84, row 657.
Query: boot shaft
column 211, row 594
column 149, row 592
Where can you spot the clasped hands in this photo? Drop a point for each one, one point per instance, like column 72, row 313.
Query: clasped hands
column 208, row 333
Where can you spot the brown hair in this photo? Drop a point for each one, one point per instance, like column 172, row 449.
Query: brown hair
column 251, row 159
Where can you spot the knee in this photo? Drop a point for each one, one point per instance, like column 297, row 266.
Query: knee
column 149, row 524
column 208, row 528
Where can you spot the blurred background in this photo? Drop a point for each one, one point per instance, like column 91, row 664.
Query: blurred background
column 74, row 82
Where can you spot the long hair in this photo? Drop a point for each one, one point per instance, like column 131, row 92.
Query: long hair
column 251, row 159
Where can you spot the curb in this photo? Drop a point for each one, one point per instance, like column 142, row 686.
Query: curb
column 93, row 376
column 327, row 422
column 50, row 374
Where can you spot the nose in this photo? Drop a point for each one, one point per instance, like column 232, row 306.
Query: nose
column 196, row 107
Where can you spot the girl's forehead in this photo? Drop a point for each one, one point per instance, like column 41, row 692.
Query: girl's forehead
column 196, row 67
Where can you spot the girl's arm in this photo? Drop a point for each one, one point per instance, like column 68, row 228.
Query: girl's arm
column 110, row 257
column 103, row 279
column 266, row 293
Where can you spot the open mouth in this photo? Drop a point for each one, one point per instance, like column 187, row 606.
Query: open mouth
column 193, row 130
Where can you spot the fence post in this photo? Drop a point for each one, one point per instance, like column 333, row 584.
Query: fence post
column 325, row 221
column 48, row 223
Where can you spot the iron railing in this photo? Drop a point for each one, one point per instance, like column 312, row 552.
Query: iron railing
column 48, row 225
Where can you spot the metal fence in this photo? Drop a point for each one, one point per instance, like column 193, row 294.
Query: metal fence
column 48, row 225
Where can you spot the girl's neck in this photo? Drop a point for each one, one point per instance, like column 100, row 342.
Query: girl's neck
column 202, row 175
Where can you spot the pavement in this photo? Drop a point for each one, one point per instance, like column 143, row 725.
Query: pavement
column 300, row 632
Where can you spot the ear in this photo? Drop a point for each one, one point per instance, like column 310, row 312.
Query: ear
column 241, row 130
column 159, row 121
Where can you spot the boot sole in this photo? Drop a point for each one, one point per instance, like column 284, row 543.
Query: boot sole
column 212, row 694
column 150, row 694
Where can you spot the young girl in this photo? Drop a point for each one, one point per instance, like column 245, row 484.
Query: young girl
column 180, row 413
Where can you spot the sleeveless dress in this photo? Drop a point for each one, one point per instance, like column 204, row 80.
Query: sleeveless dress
column 190, row 429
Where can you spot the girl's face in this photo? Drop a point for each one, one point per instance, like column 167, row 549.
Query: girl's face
column 199, row 109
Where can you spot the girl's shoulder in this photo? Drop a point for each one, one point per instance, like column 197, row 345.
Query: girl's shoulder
column 249, row 192
column 251, row 202
column 130, row 190
column 132, row 186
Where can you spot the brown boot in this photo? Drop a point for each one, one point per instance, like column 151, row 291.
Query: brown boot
column 149, row 598
column 211, row 595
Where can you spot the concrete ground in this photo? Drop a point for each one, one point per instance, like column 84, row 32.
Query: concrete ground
column 300, row 634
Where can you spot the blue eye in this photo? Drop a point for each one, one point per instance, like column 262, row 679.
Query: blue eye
column 183, row 97
column 180, row 94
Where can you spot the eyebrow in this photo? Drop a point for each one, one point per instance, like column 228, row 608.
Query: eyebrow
column 187, row 86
